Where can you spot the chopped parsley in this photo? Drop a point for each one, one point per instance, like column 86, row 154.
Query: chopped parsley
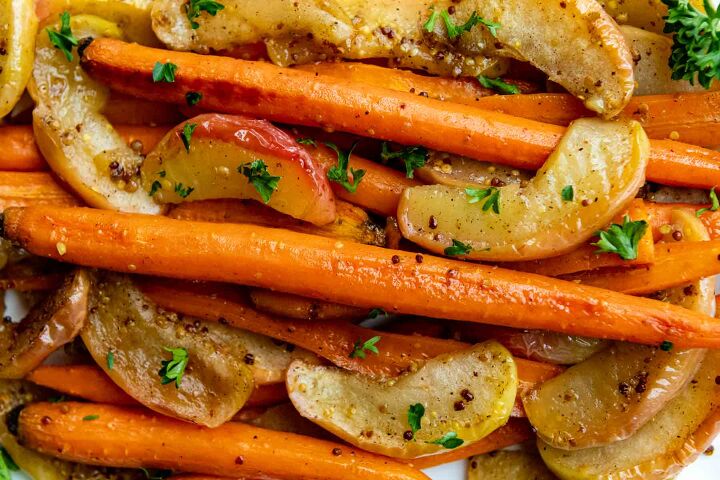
column 567, row 193
column 63, row 39
column 449, row 440
column 696, row 41
column 154, row 187
column 339, row 173
column 360, row 347
column 110, row 360
column 186, row 135
column 257, row 174
column 492, row 194
column 173, row 370
column 376, row 312
column 714, row 204
column 90, row 418
column 194, row 7
column 415, row 414
column 666, row 346
column 413, row 157
column 164, row 72
column 622, row 239
column 306, row 141
column 499, row 85
column 458, row 248
column 192, row 98
column 182, row 190
column 454, row 31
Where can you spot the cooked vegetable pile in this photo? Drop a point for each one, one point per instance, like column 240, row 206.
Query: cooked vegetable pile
column 356, row 239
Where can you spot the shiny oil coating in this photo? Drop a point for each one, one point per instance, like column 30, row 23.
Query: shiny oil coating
column 18, row 27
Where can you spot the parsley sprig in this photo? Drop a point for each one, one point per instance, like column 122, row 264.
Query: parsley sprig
column 458, row 248
column 492, row 194
column 194, row 7
column 63, row 39
column 339, row 173
column 499, row 85
column 622, row 239
column 449, row 440
column 696, row 43
column 415, row 414
column 360, row 347
column 257, row 174
column 413, row 157
column 714, row 204
column 454, row 31
column 164, row 72
column 173, row 370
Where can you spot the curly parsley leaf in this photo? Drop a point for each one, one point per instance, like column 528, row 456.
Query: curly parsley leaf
column 478, row 194
column 257, row 174
column 63, row 39
column 567, row 193
column 449, row 440
column 458, row 248
column 499, row 85
column 454, row 31
column 695, row 52
column 714, row 204
column 622, row 239
column 339, row 173
column 194, row 7
column 193, row 98
column 164, row 72
column 413, row 157
column 173, row 370
column 360, row 347
column 415, row 414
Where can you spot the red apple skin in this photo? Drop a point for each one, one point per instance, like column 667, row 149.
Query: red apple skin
column 219, row 145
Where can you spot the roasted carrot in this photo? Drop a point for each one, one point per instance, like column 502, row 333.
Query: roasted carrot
column 349, row 273
column 585, row 258
column 263, row 89
column 133, row 437
column 21, row 154
column 288, row 305
column 351, row 223
column 691, row 117
column 675, row 264
column 91, row 383
column 660, row 215
column 19, row 189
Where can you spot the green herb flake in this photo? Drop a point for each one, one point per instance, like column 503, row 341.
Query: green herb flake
column 499, row 85
column 258, row 175
column 90, row 418
column 193, row 98
column 666, row 346
column 173, row 370
column 164, row 72
column 182, row 190
column 9, row 462
column 449, row 440
column 454, row 31
column 621, row 239
column 412, row 157
column 194, row 7
column 110, row 360
column 429, row 25
column 458, row 248
column 339, row 172
column 415, row 414
column 360, row 347
column 307, row 141
column 696, row 41
column 492, row 195
column 186, row 135
column 376, row 312
column 714, row 204
column 568, row 193
column 154, row 187
column 63, row 39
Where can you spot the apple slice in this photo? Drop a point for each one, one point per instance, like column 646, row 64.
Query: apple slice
column 210, row 156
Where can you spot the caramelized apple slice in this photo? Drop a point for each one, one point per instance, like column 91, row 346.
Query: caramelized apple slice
column 215, row 159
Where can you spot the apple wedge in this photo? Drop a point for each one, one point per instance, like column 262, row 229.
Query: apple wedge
column 602, row 162
column 463, row 395
column 223, row 156
column 78, row 142
column 18, row 28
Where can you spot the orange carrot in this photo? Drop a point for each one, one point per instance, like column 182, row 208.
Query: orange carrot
column 266, row 90
column 19, row 189
column 20, row 152
column 350, row 273
column 675, row 264
column 91, row 383
column 133, row 437
column 660, row 214
column 692, row 117
column 585, row 258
